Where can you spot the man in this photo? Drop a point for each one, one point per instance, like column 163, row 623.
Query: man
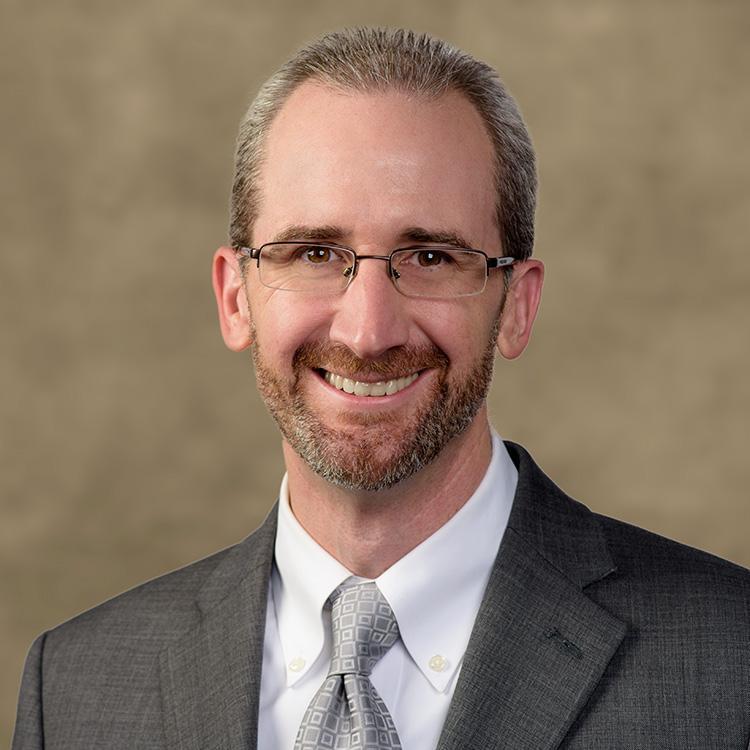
column 420, row 583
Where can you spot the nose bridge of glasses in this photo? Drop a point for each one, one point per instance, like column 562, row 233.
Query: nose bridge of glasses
column 392, row 273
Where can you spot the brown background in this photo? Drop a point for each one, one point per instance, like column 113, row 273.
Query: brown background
column 132, row 442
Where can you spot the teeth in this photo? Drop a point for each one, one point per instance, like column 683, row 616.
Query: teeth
column 381, row 388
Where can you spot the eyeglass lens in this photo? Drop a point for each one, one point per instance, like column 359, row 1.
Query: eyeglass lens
column 430, row 271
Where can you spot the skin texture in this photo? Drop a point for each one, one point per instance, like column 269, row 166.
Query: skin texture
column 366, row 170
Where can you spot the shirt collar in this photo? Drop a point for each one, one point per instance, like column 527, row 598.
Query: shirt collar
column 435, row 590
column 307, row 575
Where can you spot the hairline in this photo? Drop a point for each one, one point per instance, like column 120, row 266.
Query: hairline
column 385, row 68
column 340, row 87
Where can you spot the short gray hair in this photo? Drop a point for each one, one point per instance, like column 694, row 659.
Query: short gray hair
column 375, row 59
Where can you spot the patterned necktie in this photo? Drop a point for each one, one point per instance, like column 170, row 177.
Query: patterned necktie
column 347, row 712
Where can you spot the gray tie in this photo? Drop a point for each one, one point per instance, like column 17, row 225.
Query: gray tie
column 347, row 712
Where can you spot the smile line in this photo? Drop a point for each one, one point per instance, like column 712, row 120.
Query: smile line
column 358, row 388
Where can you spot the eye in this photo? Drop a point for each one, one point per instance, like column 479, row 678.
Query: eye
column 317, row 255
column 429, row 258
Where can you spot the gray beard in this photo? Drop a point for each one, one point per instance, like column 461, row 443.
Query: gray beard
column 353, row 459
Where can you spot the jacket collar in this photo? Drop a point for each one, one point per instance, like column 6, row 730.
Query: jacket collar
column 538, row 647
column 210, row 678
column 539, row 644
column 563, row 531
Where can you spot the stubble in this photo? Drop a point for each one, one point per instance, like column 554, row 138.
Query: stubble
column 375, row 451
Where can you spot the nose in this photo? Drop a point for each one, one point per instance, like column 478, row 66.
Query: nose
column 371, row 316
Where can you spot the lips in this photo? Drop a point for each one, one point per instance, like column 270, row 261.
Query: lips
column 359, row 388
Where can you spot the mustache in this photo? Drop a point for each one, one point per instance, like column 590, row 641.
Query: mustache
column 392, row 364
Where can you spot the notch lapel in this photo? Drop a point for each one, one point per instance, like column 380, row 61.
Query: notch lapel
column 211, row 676
column 539, row 645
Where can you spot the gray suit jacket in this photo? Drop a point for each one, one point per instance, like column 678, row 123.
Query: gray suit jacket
column 592, row 634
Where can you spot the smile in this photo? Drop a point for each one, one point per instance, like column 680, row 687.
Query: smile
column 358, row 388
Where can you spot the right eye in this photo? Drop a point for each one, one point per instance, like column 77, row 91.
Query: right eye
column 316, row 255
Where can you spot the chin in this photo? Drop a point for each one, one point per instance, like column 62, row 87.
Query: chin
column 378, row 453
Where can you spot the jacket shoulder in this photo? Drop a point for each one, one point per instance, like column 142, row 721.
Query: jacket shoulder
column 665, row 579
column 97, row 676
column 160, row 608
column 652, row 557
column 595, row 550
column 148, row 617
column 99, row 653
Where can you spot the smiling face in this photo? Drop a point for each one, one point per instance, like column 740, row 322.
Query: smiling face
column 367, row 385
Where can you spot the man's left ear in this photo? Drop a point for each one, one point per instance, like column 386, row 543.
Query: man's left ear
column 520, row 309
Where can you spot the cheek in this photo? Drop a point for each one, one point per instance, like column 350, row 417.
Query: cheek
column 461, row 331
column 283, row 321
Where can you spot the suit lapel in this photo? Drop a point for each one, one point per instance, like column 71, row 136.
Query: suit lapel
column 537, row 651
column 539, row 644
column 211, row 676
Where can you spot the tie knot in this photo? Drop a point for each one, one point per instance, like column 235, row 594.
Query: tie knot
column 364, row 628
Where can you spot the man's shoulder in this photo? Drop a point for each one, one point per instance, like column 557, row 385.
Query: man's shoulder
column 162, row 607
column 646, row 561
column 158, row 611
column 576, row 538
column 637, row 547
column 106, row 664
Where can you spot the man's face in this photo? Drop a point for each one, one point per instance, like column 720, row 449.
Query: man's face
column 375, row 172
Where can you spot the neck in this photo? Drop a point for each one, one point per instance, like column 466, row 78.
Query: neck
column 367, row 532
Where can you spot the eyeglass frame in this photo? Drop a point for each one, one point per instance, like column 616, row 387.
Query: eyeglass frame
column 504, row 262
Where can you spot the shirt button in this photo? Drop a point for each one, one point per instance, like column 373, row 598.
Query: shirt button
column 438, row 663
column 297, row 664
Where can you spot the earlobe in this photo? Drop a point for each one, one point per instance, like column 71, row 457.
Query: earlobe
column 231, row 300
column 521, row 308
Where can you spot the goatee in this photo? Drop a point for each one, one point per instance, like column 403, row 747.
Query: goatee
column 375, row 450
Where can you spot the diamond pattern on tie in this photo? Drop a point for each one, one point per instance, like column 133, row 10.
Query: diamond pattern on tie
column 347, row 713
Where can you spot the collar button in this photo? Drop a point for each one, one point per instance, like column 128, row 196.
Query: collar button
column 438, row 663
column 297, row 664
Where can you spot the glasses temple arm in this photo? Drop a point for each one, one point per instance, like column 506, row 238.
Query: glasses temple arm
column 501, row 262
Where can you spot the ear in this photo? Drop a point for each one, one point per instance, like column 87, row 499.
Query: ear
column 231, row 299
column 520, row 309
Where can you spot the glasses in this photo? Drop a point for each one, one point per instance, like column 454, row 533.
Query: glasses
column 418, row 271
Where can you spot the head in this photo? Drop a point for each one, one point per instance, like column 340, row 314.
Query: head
column 371, row 60
column 377, row 139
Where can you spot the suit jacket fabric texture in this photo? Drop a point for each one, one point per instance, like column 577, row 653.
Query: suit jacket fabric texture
column 592, row 634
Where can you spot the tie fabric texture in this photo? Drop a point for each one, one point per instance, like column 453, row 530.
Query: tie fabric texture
column 347, row 713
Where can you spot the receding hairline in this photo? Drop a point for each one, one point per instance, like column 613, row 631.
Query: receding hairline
column 369, row 60
column 384, row 89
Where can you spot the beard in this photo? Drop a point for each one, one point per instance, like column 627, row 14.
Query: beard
column 375, row 451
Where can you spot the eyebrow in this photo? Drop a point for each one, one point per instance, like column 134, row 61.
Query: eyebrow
column 437, row 237
column 324, row 233
column 334, row 233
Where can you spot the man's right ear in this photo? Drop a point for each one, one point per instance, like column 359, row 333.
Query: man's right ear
column 231, row 299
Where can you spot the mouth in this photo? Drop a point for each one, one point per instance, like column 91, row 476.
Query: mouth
column 360, row 388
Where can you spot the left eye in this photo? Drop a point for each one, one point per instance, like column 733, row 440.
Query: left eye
column 432, row 258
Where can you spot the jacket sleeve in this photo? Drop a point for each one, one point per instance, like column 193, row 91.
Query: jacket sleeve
column 29, row 732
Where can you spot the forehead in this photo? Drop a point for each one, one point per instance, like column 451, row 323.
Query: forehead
column 376, row 160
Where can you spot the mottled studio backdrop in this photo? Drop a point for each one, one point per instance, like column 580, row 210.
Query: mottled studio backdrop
column 132, row 442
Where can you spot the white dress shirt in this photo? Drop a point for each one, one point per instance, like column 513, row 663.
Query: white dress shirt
column 435, row 592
